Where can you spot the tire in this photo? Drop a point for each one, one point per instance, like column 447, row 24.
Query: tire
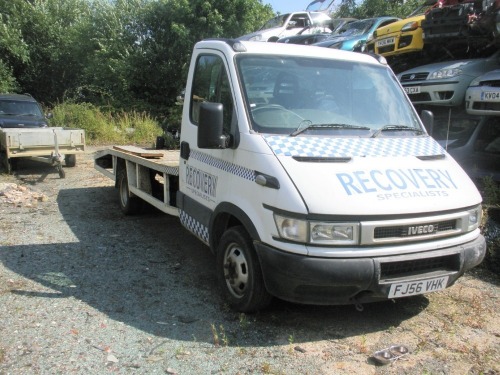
column 60, row 170
column 239, row 273
column 70, row 160
column 129, row 203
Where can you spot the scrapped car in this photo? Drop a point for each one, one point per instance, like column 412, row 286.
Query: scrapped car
column 338, row 24
column 354, row 35
column 403, row 36
column 285, row 25
column 315, row 34
column 21, row 111
column 483, row 94
column 445, row 83
column 462, row 24
column 473, row 141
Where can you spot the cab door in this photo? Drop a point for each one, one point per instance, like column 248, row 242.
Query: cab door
column 205, row 173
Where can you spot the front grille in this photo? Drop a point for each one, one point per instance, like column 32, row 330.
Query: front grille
column 386, row 49
column 414, row 77
column 492, row 83
column 411, row 267
column 487, row 106
column 422, row 97
column 403, row 231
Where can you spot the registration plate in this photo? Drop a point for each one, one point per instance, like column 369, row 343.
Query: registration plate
column 385, row 42
column 488, row 95
column 412, row 90
column 414, row 288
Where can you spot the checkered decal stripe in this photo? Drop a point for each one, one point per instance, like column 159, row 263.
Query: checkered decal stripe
column 226, row 166
column 173, row 171
column 194, row 226
column 351, row 147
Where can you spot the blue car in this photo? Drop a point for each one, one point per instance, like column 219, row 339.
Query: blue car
column 356, row 34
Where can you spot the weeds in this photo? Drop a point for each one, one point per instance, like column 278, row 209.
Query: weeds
column 218, row 338
column 105, row 127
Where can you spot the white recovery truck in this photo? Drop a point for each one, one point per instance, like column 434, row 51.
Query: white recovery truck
column 310, row 176
column 49, row 145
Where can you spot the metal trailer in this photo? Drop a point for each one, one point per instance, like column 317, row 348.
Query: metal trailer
column 47, row 145
column 142, row 175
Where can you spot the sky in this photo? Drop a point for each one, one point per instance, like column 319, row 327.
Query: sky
column 287, row 6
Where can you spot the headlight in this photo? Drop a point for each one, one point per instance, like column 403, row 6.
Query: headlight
column 410, row 26
column 256, row 38
column 475, row 82
column 292, row 229
column 318, row 233
column 475, row 217
column 445, row 73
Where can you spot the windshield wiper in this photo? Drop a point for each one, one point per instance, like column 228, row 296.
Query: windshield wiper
column 302, row 129
column 396, row 128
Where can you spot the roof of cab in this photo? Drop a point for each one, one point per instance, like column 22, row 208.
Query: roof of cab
column 286, row 49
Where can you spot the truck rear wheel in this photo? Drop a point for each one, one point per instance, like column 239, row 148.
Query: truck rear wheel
column 239, row 273
column 129, row 203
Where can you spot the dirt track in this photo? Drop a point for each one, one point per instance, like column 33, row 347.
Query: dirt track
column 84, row 289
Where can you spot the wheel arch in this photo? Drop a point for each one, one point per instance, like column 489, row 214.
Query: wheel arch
column 225, row 216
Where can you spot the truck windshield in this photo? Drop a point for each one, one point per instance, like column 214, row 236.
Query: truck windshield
column 287, row 93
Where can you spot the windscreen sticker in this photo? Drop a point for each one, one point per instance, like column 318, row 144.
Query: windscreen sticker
column 398, row 183
column 351, row 147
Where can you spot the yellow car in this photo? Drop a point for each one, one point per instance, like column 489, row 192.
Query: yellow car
column 403, row 36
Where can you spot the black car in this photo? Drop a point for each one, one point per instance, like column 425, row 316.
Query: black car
column 21, row 111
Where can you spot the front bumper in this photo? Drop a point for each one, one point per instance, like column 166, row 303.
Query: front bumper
column 438, row 93
column 405, row 42
column 477, row 104
column 336, row 281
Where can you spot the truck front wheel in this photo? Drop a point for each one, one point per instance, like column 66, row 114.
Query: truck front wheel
column 129, row 203
column 239, row 272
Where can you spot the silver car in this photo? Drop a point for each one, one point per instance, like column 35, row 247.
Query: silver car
column 483, row 95
column 473, row 141
column 445, row 83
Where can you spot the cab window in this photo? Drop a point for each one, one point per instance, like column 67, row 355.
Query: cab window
column 211, row 84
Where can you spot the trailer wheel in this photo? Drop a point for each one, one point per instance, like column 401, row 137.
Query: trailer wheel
column 129, row 203
column 8, row 164
column 60, row 170
column 70, row 160
column 239, row 272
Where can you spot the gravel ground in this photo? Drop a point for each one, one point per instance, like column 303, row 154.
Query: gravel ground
column 85, row 290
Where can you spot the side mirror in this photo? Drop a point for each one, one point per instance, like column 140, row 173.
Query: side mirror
column 291, row 25
column 210, row 126
column 427, row 118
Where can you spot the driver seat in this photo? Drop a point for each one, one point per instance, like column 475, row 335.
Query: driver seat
column 286, row 91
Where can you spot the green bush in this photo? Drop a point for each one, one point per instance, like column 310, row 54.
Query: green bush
column 105, row 127
column 491, row 223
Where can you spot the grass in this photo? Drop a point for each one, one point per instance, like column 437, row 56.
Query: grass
column 103, row 127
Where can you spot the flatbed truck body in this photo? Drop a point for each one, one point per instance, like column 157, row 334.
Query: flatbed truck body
column 310, row 176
